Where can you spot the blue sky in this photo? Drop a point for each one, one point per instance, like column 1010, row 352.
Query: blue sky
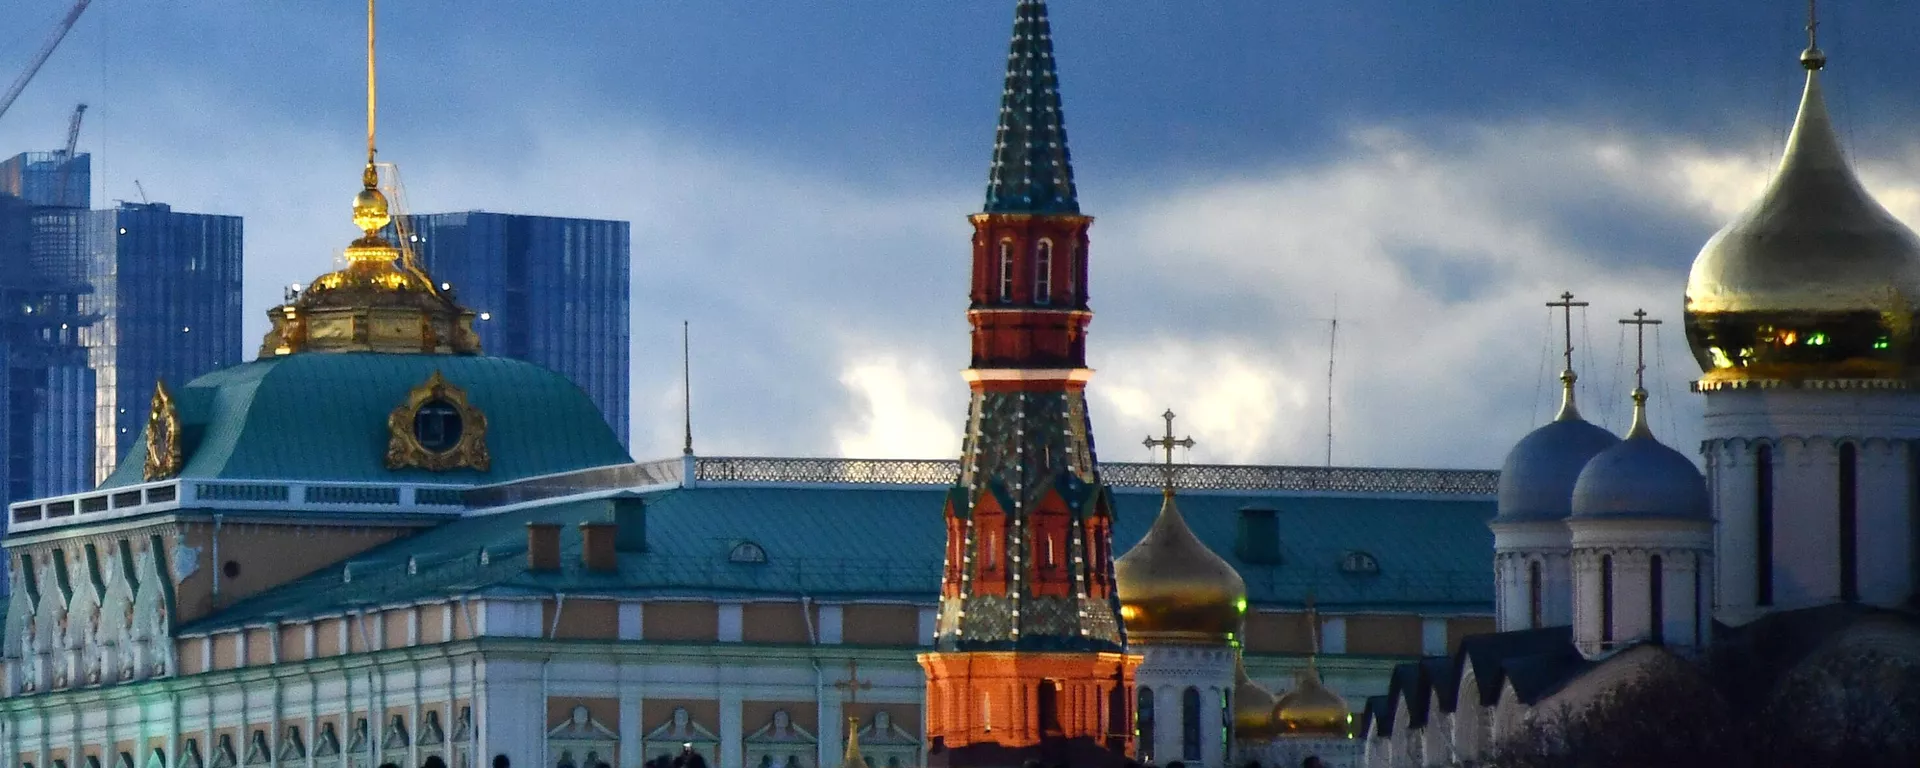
column 798, row 174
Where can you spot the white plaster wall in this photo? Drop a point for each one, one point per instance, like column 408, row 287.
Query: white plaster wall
column 1169, row 670
column 1516, row 545
column 1805, row 427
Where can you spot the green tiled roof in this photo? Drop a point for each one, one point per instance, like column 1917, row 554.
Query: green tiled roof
column 836, row 542
column 323, row 417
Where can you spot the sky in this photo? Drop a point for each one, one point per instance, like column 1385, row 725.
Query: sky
column 798, row 176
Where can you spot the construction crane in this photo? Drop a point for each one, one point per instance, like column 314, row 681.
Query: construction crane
column 46, row 50
column 66, row 155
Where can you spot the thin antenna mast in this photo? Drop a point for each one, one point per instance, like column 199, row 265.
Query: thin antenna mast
column 686, row 385
column 370, row 89
column 1333, row 336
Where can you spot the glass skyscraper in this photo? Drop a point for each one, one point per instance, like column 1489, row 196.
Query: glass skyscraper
column 166, row 295
column 551, row 291
column 47, row 389
column 48, row 178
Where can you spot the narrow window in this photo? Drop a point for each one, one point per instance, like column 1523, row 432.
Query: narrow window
column 1050, row 558
column 986, row 711
column 993, row 550
column 1073, row 274
column 1533, row 596
column 1143, row 724
column 1763, row 524
column 1006, row 271
column 1849, row 523
column 1606, row 601
column 1656, row 599
column 1043, row 273
column 1190, row 724
column 1699, row 610
column 1049, row 706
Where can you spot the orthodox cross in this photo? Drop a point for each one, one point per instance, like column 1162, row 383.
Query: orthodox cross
column 1167, row 444
column 853, row 685
column 1639, row 323
column 1567, row 304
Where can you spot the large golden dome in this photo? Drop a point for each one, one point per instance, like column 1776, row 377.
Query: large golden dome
column 1814, row 281
column 379, row 302
column 1252, row 707
column 1310, row 710
column 1172, row 588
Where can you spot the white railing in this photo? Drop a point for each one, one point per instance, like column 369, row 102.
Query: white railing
column 251, row 495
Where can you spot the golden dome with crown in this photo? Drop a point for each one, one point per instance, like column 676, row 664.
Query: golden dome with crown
column 1815, row 280
column 1252, row 706
column 1172, row 588
column 1311, row 710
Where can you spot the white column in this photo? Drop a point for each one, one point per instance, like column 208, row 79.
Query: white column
column 730, row 730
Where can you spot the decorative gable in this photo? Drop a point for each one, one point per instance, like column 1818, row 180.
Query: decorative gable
column 582, row 742
column 327, row 744
column 291, row 747
column 395, row 736
column 257, row 751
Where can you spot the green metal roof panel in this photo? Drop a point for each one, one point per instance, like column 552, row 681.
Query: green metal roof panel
column 886, row 543
column 323, row 417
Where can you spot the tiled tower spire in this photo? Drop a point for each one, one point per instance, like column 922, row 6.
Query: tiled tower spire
column 1032, row 171
column 1029, row 661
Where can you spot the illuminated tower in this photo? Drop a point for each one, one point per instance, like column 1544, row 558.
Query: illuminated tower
column 1029, row 660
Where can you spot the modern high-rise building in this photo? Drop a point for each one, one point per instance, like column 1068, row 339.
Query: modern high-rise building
column 166, row 292
column 551, row 291
column 48, row 178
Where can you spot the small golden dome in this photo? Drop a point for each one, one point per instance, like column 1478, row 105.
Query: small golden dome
column 1252, row 707
column 1172, row 588
column 1312, row 711
column 1814, row 281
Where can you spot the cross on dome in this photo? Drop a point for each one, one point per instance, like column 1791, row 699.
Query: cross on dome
column 1639, row 322
column 1566, row 303
column 1167, row 444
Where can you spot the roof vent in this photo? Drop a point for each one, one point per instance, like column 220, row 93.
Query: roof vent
column 543, row 546
column 1258, row 539
column 630, row 522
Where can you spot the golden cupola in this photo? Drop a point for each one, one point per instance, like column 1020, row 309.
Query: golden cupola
column 1172, row 588
column 381, row 301
column 1311, row 710
column 1815, row 280
column 1252, row 706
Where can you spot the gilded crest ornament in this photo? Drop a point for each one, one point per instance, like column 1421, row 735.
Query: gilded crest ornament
column 164, row 454
column 437, row 429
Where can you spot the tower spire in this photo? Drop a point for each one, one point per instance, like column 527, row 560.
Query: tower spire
column 686, row 386
column 1568, row 411
column 1032, row 171
column 1639, row 322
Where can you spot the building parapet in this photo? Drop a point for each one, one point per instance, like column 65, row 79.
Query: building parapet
column 250, row 495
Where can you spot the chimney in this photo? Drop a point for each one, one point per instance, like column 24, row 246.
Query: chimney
column 597, row 547
column 1258, row 539
column 630, row 523
column 543, row 546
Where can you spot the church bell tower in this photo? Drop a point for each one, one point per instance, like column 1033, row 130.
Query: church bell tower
column 1029, row 661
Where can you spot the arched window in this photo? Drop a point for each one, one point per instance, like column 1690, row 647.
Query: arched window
column 1359, row 562
column 1049, row 706
column 1190, row 724
column 1606, row 601
column 1656, row 599
column 1043, row 272
column 1143, row 725
column 1534, row 619
column 1763, row 524
column 747, row 552
column 1006, row 271
column 1849, row 523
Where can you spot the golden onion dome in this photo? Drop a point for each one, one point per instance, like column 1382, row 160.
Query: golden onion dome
column 1815, row 280
column 1173, row 589
column 1252, row 707
column 1310, row 710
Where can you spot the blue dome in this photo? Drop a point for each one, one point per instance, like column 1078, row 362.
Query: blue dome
column 1537, row 481
column 1640, row 477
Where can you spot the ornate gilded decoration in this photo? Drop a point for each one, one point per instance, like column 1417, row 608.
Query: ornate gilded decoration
column 164, row 452
column 381, row 301
column 437, row 429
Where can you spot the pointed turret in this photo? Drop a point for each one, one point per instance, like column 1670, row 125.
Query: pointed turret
column 1032, row 170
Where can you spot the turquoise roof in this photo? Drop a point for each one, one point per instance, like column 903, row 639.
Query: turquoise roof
column 323, row 417
column 826, row 542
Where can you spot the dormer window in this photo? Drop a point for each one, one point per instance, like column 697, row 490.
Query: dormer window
column 747, row 552
column 1043, row 272
column 1006, row 271
column 1358, row 562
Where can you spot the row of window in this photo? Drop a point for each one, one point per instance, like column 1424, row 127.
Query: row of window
column 1192, row 728
column 1042, row 272
column 1848, row 523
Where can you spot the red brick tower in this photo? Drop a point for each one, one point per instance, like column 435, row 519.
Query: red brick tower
column 1030, row 660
